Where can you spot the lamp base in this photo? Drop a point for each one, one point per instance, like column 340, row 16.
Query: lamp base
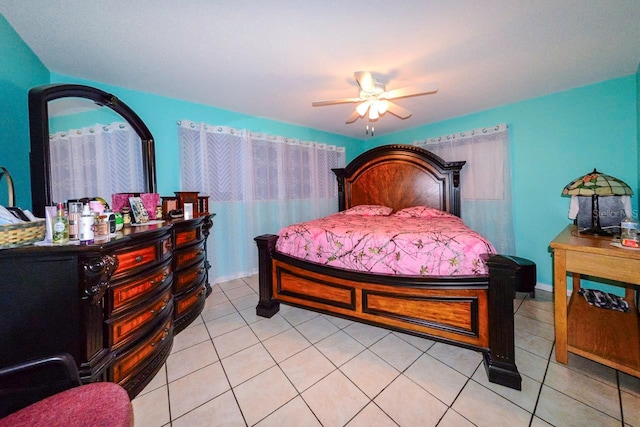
column 597, row 232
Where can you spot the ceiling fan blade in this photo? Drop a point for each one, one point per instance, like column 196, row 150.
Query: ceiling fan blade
column 365, row 80
column 424, row 89
column 335, row 101
column 398, row 111
column 353, row 117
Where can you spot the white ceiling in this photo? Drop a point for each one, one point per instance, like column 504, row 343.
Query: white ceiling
column 273, row 58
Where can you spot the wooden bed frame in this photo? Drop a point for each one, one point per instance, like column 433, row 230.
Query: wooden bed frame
column 474, row 312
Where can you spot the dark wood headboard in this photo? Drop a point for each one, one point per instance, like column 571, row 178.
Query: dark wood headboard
column 400, row 176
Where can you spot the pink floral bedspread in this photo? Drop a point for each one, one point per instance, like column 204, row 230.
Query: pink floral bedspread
column 440, row 246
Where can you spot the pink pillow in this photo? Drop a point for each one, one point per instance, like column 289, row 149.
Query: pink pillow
column 369, row 210
column 421, row 212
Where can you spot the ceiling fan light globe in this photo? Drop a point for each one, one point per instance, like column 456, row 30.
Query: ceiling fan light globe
column 382, row 106
column 362, row 108
column 373, row 114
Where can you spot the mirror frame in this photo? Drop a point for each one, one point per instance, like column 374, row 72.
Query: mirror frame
column 39, row 98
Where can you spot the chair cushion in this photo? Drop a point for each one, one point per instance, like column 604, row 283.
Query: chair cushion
column 95, row 404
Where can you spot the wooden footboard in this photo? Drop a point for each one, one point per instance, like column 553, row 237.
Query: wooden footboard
column 472, row 312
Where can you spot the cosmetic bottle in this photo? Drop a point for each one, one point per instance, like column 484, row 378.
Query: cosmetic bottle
column 61, row 227
column 86, row 226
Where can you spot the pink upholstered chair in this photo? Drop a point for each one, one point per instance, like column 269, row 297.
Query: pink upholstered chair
column 48, row 392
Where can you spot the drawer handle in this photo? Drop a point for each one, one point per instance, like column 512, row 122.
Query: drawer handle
column 164, row 337
column 165, row 274
column 201, row 251
column 156, row 312
column 139, row 258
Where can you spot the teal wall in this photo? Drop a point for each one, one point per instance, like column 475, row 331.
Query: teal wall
column 554, row 139
column 20, row 70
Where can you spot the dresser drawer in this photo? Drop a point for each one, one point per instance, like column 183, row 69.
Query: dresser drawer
column 127, row 363
column 137, row 288
column 185, row 302
column 140, row 256
column 119, row 328
column 185, row 279
column 186, row 257
column 187, row 236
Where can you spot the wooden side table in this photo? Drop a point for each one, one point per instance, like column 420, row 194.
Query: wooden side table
column 606, row 336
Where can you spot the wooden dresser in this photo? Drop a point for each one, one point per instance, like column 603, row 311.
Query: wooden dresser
column 114, row 307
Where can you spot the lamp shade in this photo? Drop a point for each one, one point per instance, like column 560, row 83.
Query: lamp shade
column 597, row 184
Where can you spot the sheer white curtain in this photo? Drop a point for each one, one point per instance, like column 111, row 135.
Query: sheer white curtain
column 95, row 161
column 257, row 184
column 485, row 180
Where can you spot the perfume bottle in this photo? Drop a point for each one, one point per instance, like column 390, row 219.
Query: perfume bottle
column 61, row 226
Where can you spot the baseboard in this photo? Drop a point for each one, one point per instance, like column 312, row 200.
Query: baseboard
column 549, row 288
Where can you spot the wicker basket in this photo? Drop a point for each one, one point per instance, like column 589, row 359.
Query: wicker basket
column 21, row 234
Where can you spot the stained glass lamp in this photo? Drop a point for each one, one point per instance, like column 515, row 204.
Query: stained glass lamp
column 596, row 184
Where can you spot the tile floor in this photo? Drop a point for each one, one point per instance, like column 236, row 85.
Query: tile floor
column 300, row 368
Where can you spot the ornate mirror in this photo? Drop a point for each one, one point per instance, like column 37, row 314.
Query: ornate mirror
column 77, row 130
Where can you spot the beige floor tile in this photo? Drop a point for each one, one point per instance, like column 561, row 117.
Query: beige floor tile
column 558, row 409
column 286, row 344
column 532, row 343
column 410, row 405
column 316, row 329
column 294, row 413
column 437, row 378
column 245, row 302
column 369, row 372
column 631, row 409
column 231, row 284
column 454, row 419
column 530, row 364
column 338, row 321
column 197, row 321
column 234, row 341
column 541, row 302
column 594, row 393
column 220, row 411
column 306, row 368
column 461, row 359
column 629, row 384
column 335, row 400
column 224, row 324
column 533, row 311
column 537, row 422
column 339, row 348
column 268, row 327
column 151, row 409
column 473, row 404
column 370, row 416
column 193, row 390
column 158, row 380
column 190, row 359
column 222, row 309
column 249, row 315
column 396, row 352
column 216, row 297
column 246, row 364
column 296, row 315
column 525, row 398
column 194, row 334
column 420, row 343
column 589, row 368
column 535, row 327
column 367, row 335
column 263, row 394
column 252, row 281
column 239, row 292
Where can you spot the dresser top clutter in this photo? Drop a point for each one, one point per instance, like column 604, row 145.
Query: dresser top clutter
column 115, row 301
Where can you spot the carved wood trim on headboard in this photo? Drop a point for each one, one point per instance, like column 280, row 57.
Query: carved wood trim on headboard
column 400, row 176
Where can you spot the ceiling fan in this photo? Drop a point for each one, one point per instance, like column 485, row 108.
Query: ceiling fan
column 374, row 99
